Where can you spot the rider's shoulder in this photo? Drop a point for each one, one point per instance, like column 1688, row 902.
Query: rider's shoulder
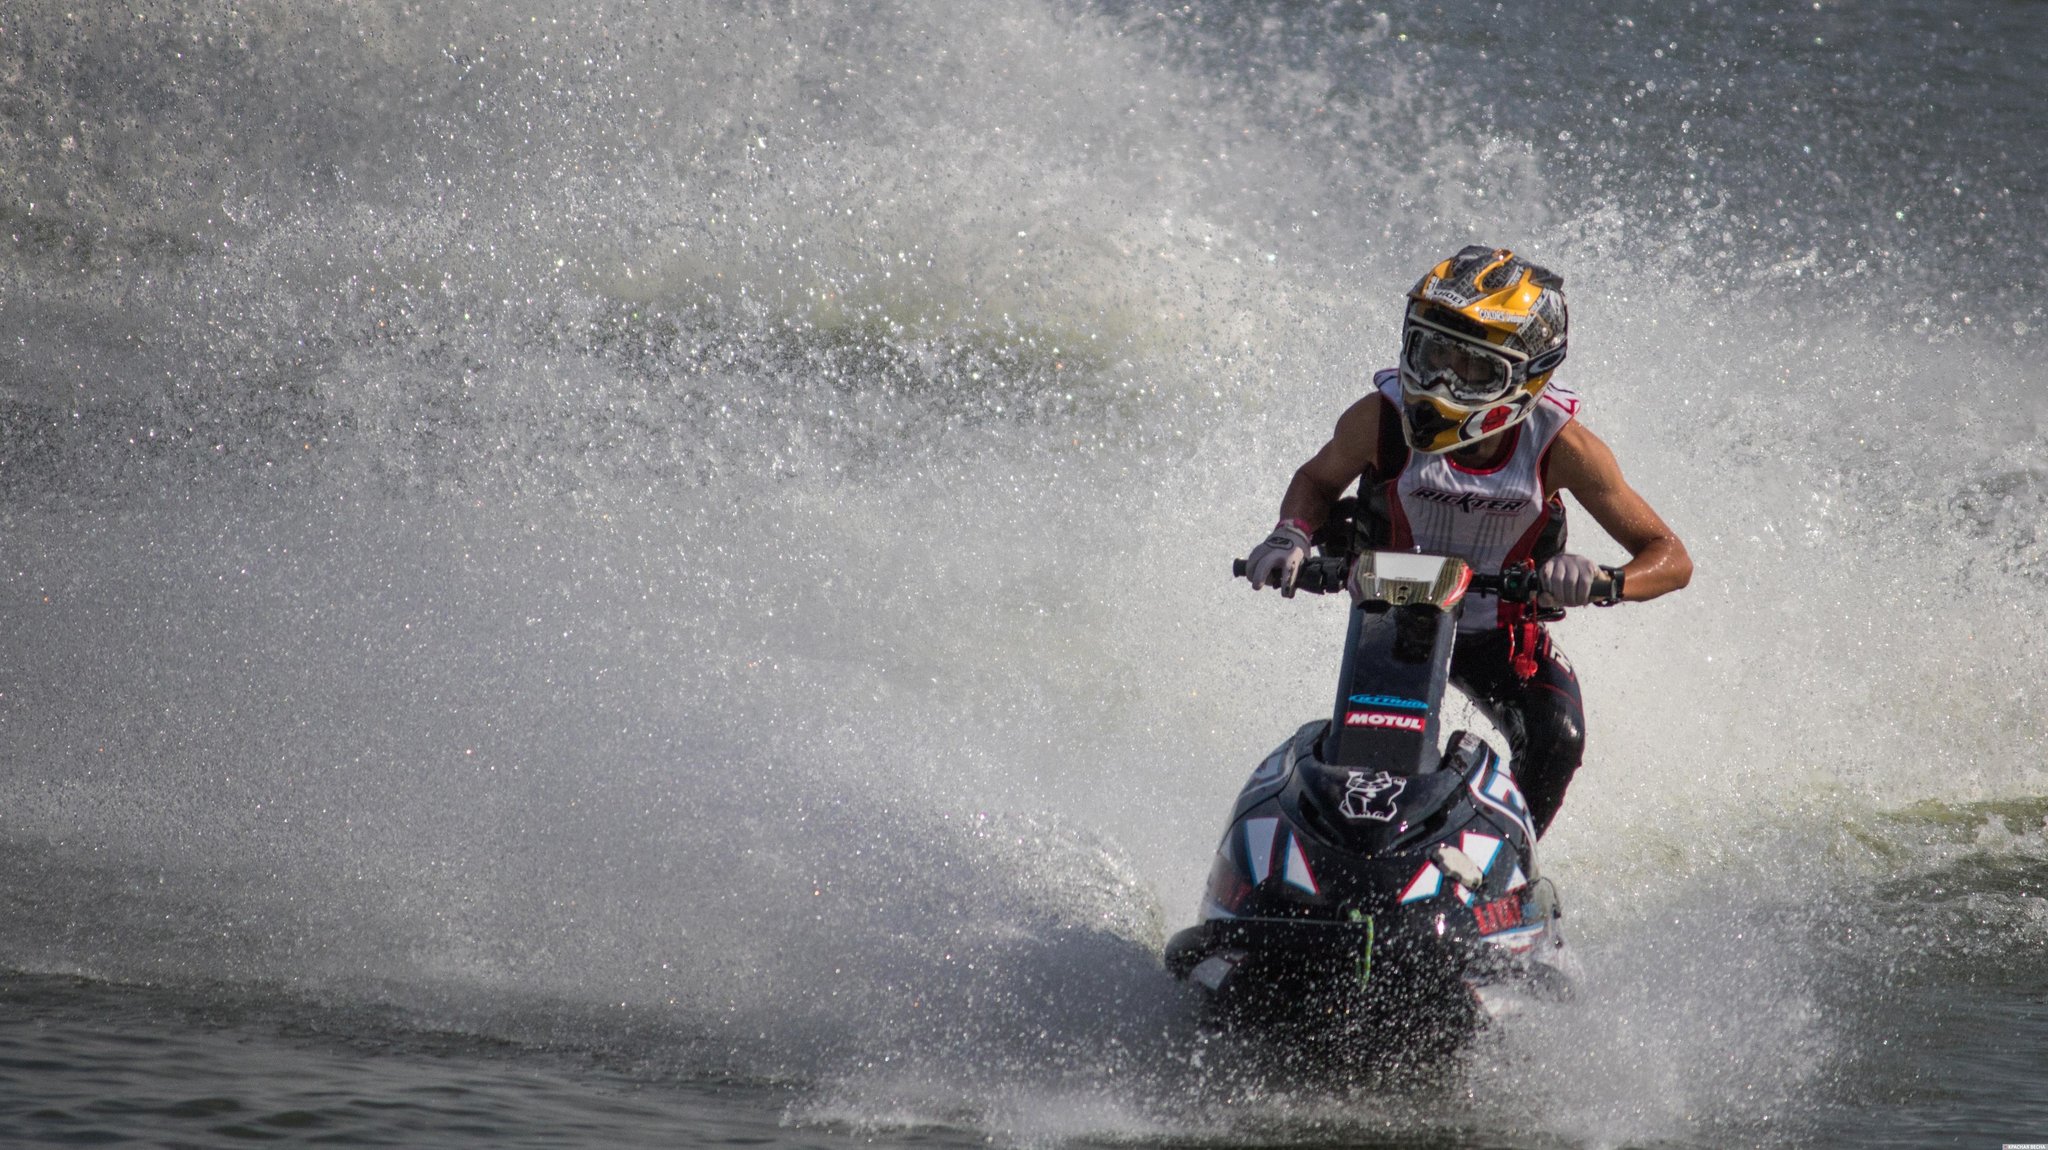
column 1564, row 397
column 1359, row 428
column 1384, row 396
column 1578, row 452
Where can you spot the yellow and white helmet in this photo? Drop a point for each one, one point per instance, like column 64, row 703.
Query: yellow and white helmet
column 1484, row 331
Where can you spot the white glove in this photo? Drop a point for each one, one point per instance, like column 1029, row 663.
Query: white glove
column 1567, row 581
column 1277, row 561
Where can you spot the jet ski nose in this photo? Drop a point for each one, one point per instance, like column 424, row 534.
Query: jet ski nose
column 1370, row 812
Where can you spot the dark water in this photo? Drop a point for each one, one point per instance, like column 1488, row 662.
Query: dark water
column 86, row 1063
column 627, row 575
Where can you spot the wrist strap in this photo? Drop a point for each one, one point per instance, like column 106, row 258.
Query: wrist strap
column 1614, row 586
column 1298, row 524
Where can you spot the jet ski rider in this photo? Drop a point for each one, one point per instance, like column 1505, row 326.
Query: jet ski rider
column 1486, row 441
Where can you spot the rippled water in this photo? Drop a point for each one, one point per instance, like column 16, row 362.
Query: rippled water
column 87, row 1063
column 630, row 575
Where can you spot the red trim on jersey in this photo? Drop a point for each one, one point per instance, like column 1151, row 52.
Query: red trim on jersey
column 1508, row 614
column 1507, row 455
column 1525, row 547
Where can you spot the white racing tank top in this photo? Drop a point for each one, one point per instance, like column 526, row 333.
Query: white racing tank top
column 1490, row 518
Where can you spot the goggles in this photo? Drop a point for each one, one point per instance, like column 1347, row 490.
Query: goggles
column 1456, row 368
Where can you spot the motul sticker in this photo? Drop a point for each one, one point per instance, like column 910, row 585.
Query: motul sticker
column 1384, row 719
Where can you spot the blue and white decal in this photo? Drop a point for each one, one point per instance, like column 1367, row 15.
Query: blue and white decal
column 1297, row 867
column 1389, row 701
column 1425, row 884
column 1518, row 940
column 1495, row 788
column 1258, row 847
column 1481, row 848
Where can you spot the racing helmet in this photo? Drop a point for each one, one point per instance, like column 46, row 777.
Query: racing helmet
column 1484, row 331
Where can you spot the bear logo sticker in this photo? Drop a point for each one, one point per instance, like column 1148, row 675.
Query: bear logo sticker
column 1371, row 798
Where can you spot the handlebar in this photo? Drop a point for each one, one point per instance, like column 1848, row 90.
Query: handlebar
column 1325, row 575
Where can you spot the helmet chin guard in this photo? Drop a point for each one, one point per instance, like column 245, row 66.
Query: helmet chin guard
column 1483, row 333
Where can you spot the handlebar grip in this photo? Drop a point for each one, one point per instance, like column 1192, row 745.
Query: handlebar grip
column 1321, row 575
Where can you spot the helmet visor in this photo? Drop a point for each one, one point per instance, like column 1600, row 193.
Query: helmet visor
column 1459, row 370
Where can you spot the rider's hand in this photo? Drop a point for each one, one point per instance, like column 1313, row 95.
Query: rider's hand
column 1277, row 561
column 1567, row 581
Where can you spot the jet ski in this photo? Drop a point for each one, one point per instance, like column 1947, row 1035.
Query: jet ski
column 1377, row 889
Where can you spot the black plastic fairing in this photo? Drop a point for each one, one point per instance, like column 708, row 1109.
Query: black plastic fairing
column 1396, row 668
column 1274, row 770
column 1369, row 813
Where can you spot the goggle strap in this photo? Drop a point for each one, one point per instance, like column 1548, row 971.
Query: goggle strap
column 1506, row 353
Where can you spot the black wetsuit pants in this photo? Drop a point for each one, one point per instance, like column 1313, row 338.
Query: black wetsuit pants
column 1542, row 716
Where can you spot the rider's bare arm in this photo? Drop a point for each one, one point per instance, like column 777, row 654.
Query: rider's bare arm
column 1319, row 483
column 1583, row 465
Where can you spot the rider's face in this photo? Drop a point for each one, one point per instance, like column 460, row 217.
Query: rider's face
column 1458, row 370
column 1473, row 368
